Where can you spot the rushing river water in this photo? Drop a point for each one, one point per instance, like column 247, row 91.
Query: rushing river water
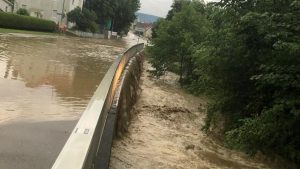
column 45, row 84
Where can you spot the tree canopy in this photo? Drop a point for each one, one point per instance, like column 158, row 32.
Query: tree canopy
column 84, row 19
column 115, row 15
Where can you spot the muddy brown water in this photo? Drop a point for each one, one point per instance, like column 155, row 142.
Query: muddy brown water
column 45, row 85
column 165, row 133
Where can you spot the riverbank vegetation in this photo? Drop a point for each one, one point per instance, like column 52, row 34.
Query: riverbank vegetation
column 13, row 21
column 244, row 55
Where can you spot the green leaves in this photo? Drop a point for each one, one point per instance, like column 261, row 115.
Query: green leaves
column 22, row 11
column 84, row 19
column 266, row 44
column 176, row 38
column 246, row 56
column 120, row 12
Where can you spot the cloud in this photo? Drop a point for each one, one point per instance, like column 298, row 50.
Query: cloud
column 158, row 7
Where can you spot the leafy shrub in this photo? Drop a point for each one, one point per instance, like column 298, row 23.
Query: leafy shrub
column 13, row 21
column 22, row 11
column 84, row 19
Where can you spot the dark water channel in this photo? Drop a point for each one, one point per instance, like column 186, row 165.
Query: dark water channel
column 45, row 84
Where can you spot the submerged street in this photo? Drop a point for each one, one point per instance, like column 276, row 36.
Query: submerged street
column 46, row 83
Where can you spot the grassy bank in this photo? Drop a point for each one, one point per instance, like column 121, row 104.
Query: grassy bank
column 5, row 31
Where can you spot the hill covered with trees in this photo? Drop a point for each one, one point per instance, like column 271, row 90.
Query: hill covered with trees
column 146, row 18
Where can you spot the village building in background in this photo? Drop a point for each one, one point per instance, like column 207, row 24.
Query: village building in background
column 142, row 29
column 54, row 10
column 143, row 24
column 6, row 6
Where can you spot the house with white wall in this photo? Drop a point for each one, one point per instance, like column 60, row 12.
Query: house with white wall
column 143, row 29
column 54, row 10
column 148, row 32
column 6, row 6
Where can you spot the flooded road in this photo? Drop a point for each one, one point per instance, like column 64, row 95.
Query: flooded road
column 50, row 78
column 45, row 85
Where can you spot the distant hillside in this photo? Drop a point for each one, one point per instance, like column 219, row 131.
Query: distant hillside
column 146, row 18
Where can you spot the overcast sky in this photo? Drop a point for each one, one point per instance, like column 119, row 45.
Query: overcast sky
column 158, row 7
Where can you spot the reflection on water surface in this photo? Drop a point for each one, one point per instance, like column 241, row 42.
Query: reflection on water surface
column 46, row 79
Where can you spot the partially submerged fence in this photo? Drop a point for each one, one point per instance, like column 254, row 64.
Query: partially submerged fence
column 86, row 34
column 82, row 150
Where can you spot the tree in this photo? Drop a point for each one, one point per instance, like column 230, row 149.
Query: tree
column 84, row 19
column 176, row 39
column 124, row 15
column 176, row 7
column 115, row 15
column 252, row 69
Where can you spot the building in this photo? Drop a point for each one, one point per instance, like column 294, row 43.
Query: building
column 142, row 29
column 148, row 32
column 54, row 10
column 6, row 6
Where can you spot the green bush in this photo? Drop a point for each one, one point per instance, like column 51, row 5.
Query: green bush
column 14, row 21
column 84, row 19
column 23, row 12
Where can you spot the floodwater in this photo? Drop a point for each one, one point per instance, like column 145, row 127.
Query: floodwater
column 50, row 78
column 165, row 133
column 45, row 85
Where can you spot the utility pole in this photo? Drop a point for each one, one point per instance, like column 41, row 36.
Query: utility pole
column 13, row 5
column 112, row 24
column 62, row 12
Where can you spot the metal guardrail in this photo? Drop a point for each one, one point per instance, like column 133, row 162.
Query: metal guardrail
column 82, row 148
